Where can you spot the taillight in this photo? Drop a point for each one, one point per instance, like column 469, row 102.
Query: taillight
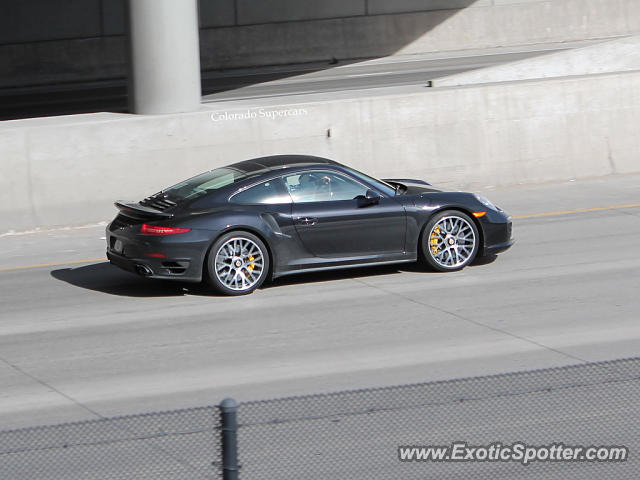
column 156, row 230
column 155, row 255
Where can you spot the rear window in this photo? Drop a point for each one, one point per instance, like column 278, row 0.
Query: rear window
column 206, row 182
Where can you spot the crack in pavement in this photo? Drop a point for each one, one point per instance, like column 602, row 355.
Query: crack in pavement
column 475, row 322
column 50, row 387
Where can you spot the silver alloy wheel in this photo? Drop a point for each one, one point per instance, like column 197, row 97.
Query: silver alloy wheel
column 239, row 264
column 451, row 242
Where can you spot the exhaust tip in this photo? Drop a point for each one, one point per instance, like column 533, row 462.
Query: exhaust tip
column 144, row 270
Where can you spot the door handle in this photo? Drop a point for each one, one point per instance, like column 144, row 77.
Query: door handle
column 306, row 221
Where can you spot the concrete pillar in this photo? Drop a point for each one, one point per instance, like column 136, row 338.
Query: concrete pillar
column 164, row 56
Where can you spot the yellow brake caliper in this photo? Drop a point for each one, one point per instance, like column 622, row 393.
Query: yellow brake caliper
column 434, row 240
column 252, row 265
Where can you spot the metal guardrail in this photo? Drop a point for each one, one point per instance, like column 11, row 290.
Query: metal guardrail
column 353, row 434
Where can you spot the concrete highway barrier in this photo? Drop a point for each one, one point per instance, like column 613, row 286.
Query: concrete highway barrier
column 619, row 55
column 69, row 170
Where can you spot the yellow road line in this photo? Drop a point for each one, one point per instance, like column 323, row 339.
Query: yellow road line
column 56, row 264
column 516, row 217
column 582, row 210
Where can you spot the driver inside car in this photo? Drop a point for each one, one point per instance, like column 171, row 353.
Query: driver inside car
column 313, row 188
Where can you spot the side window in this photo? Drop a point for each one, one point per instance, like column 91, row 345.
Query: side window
column 266, row 193
column 322, row 186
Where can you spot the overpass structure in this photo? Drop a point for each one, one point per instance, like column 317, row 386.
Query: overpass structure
column 61, row 51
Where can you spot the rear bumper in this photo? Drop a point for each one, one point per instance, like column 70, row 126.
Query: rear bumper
column 176, row 257
column 184, row 270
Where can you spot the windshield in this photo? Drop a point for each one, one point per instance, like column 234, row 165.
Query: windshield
column 206, row 182
column 384, row 187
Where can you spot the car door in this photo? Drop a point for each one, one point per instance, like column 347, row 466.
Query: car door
column 270, row 202
column 334, row 219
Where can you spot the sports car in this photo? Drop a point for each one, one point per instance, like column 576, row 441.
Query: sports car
column 237, row 226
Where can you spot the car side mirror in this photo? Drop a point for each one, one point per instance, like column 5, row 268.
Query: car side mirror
column 369, row 198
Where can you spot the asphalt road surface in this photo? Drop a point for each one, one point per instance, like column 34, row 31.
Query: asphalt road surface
column 81, row 339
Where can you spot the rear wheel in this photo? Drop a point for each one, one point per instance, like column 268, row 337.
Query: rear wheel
column 449, row 241
column 238, row 263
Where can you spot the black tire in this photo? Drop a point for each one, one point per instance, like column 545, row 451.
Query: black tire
column 246, row 259
column 449, row 241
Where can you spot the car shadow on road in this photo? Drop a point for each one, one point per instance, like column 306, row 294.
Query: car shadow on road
column 104, row 277
column 486, row 260
column 361, row 272
column 334, row 275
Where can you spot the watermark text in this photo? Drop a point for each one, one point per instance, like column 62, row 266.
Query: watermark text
column 254, row 113
column 516, row 452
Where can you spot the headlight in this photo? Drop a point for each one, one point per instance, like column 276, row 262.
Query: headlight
column 485, row 201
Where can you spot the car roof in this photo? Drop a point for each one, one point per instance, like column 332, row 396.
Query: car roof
column 277, row 162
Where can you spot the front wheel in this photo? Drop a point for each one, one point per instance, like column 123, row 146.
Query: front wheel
column 449, row 241
column 238, row 263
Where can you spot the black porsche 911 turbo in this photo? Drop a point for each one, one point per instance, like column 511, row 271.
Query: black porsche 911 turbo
column 263, row 218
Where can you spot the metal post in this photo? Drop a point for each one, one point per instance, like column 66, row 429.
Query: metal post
column 229, row 427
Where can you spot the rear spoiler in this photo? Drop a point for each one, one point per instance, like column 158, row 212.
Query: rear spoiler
column 135, row 210
column 406, row 180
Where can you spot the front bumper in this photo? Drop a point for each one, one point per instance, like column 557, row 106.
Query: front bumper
column 499, row 248
column 497, row 229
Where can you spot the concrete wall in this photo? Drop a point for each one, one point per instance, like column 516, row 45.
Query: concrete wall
column 68, row 170
column 45, row 20
column 484, row 24
column 49, row 41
